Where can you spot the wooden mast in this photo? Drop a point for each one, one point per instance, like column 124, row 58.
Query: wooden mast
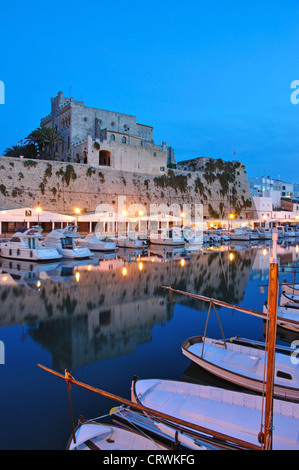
column 272, row 309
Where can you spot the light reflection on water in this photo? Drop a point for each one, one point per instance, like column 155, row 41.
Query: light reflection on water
column 109, row 318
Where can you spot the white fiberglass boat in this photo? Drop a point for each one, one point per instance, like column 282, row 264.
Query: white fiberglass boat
column 280, row 231
column 64, row 240
column 96, row 436
column 26, row 245
column 97, row 243
column 171, row 236
column 132, row 240
column 253, row 234
column 193, row 236
column 238, row 234
column 233, row 414
column 289, row 231
column 244, row 365
column 264, row 233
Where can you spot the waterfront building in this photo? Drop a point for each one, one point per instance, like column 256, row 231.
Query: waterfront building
column 105, row 138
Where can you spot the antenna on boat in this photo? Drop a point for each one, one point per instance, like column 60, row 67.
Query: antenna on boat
column 272, row 327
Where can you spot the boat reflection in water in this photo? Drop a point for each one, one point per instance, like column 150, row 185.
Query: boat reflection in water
column 111, row 315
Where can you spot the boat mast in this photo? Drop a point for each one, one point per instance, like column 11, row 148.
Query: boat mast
column 272, row 310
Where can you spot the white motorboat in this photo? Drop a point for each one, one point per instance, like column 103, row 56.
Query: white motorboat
column 193, row 236
column 132, row 240
column 233, row 414
column 98, row 436
column 171, row 236
column 64, row 240
column 280, row 231
column 289, row 231
column 297, row 230
column 243, row 365
column 214, row 237
column 26, row 245
column 238, row 234
column 95, row 242
column 253, row 234
column 265, row 233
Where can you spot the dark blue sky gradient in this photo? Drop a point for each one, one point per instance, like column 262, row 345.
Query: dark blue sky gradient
column 210, row 77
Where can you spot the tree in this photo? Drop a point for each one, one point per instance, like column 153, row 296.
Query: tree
column 46, row 139
column 27, row 151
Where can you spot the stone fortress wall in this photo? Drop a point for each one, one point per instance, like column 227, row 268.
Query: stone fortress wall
column 62, row 186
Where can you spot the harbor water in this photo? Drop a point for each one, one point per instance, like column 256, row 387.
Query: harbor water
column 109, row 318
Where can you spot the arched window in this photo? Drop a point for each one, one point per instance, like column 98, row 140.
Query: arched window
column 112, row 137
column 124, row 140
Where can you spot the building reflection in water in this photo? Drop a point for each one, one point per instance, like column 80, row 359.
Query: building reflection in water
column 89, row 311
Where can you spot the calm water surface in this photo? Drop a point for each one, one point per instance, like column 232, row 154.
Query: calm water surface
column 107, row 319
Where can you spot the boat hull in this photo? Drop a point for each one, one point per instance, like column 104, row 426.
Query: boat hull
column 25, row 254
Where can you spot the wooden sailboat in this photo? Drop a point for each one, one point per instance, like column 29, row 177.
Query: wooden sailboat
column 243, row 365
column 210, row 435
column 230, row 413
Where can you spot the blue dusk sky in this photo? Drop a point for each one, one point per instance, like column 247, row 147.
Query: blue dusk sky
column 212, row 78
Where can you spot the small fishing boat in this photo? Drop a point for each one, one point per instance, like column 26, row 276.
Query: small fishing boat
column 64, row 240
column 98, row 436
column 171, row 236
column 287, row 317
column 289, row 300
column 292, row 289
column 26, row 245
column 97, row 243
column 234, row 414
column 243, row 365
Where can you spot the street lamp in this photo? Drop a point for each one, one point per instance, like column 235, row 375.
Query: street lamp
column 231, row 216
column 77, row 212
column 38, row 210
column 182, row 217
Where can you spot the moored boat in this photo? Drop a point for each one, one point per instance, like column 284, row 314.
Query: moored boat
column 243, row 365
column 26, row 245
column 171, row 236
column 64, row 240
column 234, row 414
column 97, row 243
column 238, row 234
column 264, row 233
column 91, row 435
column 132, row 240
column 289, row 231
